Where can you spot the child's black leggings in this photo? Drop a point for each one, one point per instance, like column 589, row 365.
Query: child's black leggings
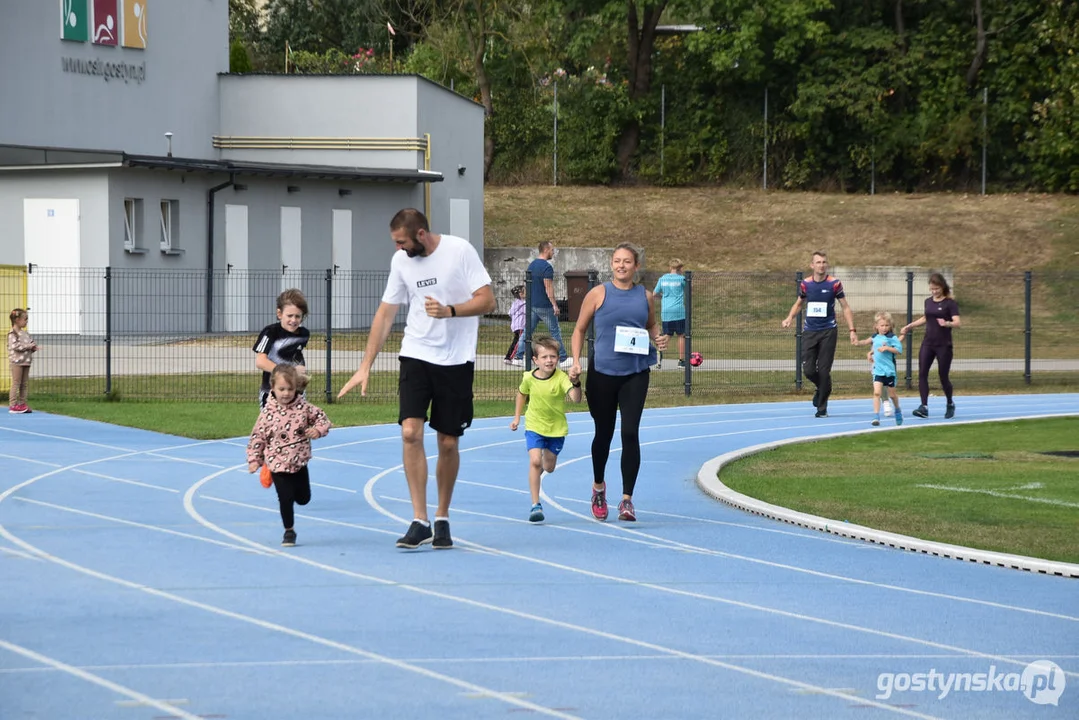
column 607, row 395
column 292, row 488
column 512, row 352
column 943, row 356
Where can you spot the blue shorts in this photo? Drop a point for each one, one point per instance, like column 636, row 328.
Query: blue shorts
column 674, row 327
column 535, row 441
column 885, row 380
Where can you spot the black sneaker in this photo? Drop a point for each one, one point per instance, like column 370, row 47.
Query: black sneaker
column 290, row 539
column 822, row 412
column 681, row 363
column 922, row 412
column 949, row 411
column 442, row 539
column 816, row 398
column 418, row 534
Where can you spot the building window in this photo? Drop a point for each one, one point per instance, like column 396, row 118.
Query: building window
column 170, row 227
column 133, row 225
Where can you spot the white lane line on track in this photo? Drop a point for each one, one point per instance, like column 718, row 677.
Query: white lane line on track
column 743, row 526
column 141, row 526
column 112, row 478
column 736, row 603
column 497, row 660
column 28, row 460
column 817, row 573
column 326, row 642
column 346, row 462
column 98, row 680
column 19, row 553
column 334, row 487
column 795, row 684
column 852, row 544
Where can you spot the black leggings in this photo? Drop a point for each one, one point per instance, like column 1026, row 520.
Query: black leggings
column 512, row 352
column 943, row 356
column 818, row 354
column 607, row 395
column 291, row 488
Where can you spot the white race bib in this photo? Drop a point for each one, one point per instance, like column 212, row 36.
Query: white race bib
column 630, row 340
column 817, row 309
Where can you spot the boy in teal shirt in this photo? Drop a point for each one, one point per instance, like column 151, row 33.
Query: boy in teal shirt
column 886, row 348
column 545, row 390
column 672, row 288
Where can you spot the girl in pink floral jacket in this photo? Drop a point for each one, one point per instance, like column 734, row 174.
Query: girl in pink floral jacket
column 20, row 351
column 282, row 439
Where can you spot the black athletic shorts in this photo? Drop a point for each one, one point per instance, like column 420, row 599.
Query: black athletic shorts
column 445, row 389
column 885, row 380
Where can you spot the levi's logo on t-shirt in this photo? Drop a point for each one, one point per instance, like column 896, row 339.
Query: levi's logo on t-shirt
column 427, row 283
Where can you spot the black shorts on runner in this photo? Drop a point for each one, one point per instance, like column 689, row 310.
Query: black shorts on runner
column 885, row 380
column 445, row 389
column 674, row 327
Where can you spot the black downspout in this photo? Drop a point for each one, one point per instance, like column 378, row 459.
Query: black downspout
column 210, row 250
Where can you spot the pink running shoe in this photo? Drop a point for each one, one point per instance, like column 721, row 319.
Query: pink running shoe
column 599, row 504
column 626, row 512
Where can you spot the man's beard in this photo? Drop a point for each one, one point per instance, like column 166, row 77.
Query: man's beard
column 416, row 250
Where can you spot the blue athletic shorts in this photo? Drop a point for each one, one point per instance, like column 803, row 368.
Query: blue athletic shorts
column 674, row 327
column 536, row 441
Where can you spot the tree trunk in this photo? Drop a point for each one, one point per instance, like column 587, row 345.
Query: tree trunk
column 477, row 39
column 642, row 42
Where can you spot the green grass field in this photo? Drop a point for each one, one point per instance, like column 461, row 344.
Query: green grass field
column 988, row 486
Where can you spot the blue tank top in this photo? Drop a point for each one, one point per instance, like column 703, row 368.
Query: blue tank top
column 626, row 308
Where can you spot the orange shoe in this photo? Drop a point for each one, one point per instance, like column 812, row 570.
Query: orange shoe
column 265, row 477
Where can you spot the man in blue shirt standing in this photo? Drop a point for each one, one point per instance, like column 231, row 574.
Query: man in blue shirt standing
column 819, row 293
column 543, row 302
column 672, row 288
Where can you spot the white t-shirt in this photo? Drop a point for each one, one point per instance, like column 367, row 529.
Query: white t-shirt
column 451, row 274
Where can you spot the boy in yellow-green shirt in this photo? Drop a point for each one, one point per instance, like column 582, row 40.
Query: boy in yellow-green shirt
column 545, row 390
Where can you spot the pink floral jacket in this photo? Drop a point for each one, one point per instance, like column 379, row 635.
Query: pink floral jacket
column 19, row 344
column 278, row 440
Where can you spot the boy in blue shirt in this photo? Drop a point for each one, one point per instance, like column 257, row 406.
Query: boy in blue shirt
column 886, row 347
column 672, row 288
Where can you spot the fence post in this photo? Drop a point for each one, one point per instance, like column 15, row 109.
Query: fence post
column 688, row 304
column 1028, row 281
column 108, row 331
column 798, row 339
column 528, row 320
column 764, row 183
column 910, row 337
column 329, row 334
column 593, row 280
column 662, row 127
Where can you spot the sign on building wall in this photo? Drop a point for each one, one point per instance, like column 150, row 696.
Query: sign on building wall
column 105, row 22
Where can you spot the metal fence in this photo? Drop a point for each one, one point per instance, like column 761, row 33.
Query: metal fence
column 158, row 334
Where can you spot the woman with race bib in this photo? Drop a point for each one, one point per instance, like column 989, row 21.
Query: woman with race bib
column 617, row 381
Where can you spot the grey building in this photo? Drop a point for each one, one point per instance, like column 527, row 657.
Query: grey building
column 125, row 143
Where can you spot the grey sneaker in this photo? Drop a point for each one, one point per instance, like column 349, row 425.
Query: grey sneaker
column 418, row 534
column 289, row 540
column 442, row 540
column 921, row 412
column 949, row 411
